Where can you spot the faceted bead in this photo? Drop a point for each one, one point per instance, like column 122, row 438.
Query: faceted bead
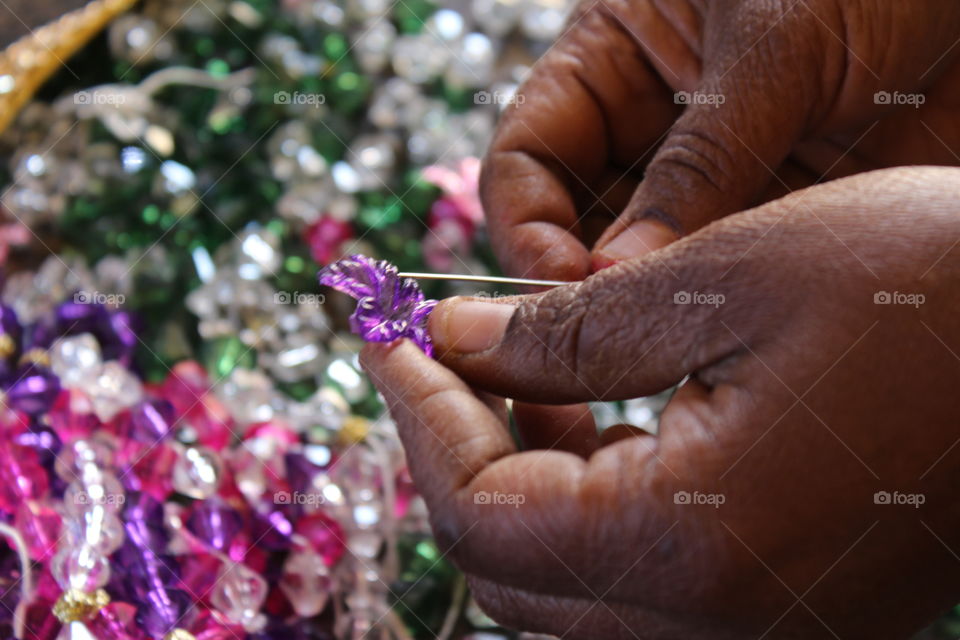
column 324, row 534
column 35, row 390
column 112, row 389
column 77, row 454
column 306, row 583
column 40, row 526
column 215, row 523
column 239, row 594
column 325, row 237
column 197, row 473
column 39, row 622
column 81, row 568
column 74, row 358
column 21, row 476
column 223, row 355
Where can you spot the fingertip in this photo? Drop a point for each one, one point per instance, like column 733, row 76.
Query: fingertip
column 463, row 325
column 639, row 238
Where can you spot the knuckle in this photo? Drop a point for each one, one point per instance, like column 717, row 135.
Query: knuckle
column 552, row 327
column 691, row 154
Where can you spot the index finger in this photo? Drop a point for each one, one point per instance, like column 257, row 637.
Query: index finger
column 486, row 500
column 574, row 141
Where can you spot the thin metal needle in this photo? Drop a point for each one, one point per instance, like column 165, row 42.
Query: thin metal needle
column 493, row 279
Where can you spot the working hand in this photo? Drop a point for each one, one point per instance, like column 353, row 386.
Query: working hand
column 803, row 481
column 775, row 95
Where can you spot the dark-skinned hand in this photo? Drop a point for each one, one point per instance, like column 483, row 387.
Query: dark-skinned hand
column 782, row 94
column 755, row 511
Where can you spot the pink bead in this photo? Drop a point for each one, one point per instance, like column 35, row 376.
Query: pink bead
column 46, row 587
column 39, row 621
column 67, row 422
column 154, row 469
column 324, row 534
column 280, row 433
column 405, row 492
column 40, row 526
column 185, row 386
column 325, row 236
column 21, row 476
column 198, row 573
column 212, row 625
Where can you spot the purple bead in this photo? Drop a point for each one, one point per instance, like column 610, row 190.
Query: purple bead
column 34, row 391
column 162, row 610
column 272, row 527
column 122, row 340
column 10, row 324
column 388, row 306
column 78, row 317
column 215, row 523
column 152, row 420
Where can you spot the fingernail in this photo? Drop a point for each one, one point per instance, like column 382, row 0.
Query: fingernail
column 469, row 326
column 638, row 239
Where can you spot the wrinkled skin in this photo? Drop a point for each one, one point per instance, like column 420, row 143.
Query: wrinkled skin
column 805, row 396
column 798, row 79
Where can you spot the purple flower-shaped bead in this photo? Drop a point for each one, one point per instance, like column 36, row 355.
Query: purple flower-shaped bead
column 388, row 306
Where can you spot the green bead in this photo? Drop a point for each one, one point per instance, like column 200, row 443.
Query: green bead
column 419, row 194
column 204, row 47
column 294, row 264
column 299, row 391
column 411, row 14
column 218, row 68
column 459, row 98
column 335, row 46
column 379, row 217
column 225, row 354
column 277, row 227
column 151, row 214
column 349, row 91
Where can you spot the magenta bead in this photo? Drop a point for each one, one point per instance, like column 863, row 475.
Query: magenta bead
column 40, row 526
column 39, row 621
column 324, row 534
column 325, row 237
column 21, row 476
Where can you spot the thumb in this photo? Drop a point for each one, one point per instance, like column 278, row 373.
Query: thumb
column 737, row 127
column 632, row 330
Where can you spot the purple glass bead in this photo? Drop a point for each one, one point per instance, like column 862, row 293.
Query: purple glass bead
column 215, row 523
column 272, row 527
column 388, row 306
column 152, row 420
column 162, row 610
column 34, row 391
column 10, row 326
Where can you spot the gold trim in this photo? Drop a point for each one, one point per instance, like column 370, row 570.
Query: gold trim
column 27, row 63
